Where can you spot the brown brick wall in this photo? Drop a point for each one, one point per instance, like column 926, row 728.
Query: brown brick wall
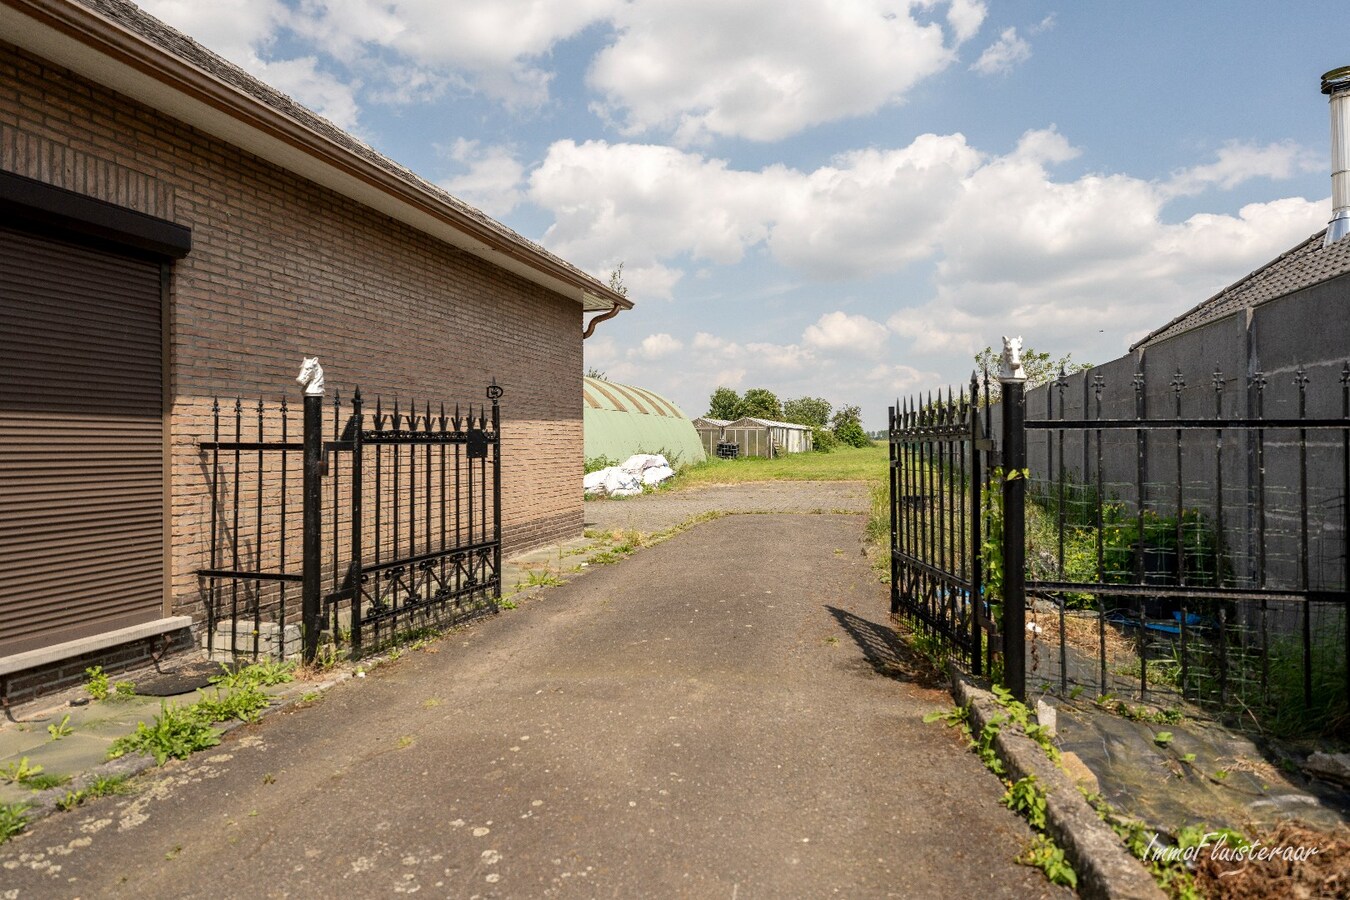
column 281, row 268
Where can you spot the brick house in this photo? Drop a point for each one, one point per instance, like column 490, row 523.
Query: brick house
column 174, row 230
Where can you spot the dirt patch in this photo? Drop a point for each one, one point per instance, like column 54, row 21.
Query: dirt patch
column 1301, row 862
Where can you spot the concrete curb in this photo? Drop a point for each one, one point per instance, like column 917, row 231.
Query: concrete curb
column 1106, row 870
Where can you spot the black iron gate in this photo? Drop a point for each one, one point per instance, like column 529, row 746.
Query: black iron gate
column 400, row 524
column 937, row 460
column 1195, row 552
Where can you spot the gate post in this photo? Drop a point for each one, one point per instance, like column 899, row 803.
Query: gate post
column 311, row 376
column 894, row 500
column 1013, row 380
column 976, row 536
column 494, row 393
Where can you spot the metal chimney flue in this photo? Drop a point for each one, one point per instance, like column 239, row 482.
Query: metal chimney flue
column 1336, row 85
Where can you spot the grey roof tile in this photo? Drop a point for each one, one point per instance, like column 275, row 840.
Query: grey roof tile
column 1305, row 265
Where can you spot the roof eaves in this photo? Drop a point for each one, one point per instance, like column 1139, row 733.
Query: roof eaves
column 118, row 44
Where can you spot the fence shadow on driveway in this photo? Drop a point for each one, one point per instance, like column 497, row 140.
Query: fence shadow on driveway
column 885, row 652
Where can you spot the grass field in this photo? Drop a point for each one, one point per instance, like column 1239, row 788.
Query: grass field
column 867, row 464
column 845, row 464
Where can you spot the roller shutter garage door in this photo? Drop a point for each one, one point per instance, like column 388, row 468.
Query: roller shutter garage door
column 81, row 442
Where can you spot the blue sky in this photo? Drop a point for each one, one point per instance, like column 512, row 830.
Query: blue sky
column 833, row 198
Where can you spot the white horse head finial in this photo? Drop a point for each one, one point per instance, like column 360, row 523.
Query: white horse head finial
column 311, row 376
column 1011, row 369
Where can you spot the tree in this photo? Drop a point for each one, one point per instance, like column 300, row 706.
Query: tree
column 761, row 404
column 813, row 411
column 724, row 404
column 1040, row 368
column 847, row 424
column 616, row 281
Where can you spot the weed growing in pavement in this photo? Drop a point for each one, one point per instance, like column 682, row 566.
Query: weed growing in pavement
column 103, row 786
column 97, row 686
column 46, row 782
column 541, row 578
column 31, row 777
column 244, row 703
column 13, row 819
column 1027, row 798
column 100, row 687
column 19, row 772
column 259, row 674
column 1044, row 854
column 61, row 729
column 177, row 732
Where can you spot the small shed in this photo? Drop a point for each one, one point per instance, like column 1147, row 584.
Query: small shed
column 765, row 437
column 619, row 420
column 710, row 432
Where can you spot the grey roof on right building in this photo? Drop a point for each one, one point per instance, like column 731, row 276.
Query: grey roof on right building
column 1304, row 266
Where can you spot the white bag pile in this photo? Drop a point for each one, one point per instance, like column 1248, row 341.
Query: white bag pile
column 628, row 479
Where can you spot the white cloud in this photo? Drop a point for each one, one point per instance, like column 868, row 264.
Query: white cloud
column 757, row 70
column 984, row 219
column 657, row 346
column 642, row 203
column 1004, row 55
column 497, row 46
column 494, row 181
column 965, row 18
column 1012, row 245
column 839, row 332
column 1239, row 162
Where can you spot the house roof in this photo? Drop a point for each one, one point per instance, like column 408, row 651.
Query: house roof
column 1304, row 266
column 117, row 44
column 768, row 423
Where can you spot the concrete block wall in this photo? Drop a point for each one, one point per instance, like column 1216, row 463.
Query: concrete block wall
column 1307, row 329
column 282, row 268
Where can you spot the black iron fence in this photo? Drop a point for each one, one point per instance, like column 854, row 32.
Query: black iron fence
column 377, row 523
column 936, row 480
column 1195, row 552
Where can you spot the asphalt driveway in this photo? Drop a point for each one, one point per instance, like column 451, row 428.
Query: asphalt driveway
column 724, row 714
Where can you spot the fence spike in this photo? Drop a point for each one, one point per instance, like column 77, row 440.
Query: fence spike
column 456, row 418
column 1218, row 378
column 426, row 422
column 1178, row 381
column 442, row 419
column 1098, row 383
column 1138, row 382
column 1301, row 379
column 1345, row 373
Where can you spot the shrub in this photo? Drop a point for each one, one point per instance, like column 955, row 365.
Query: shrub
column 850, row 432
column 596, row 463
column 823, row 439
